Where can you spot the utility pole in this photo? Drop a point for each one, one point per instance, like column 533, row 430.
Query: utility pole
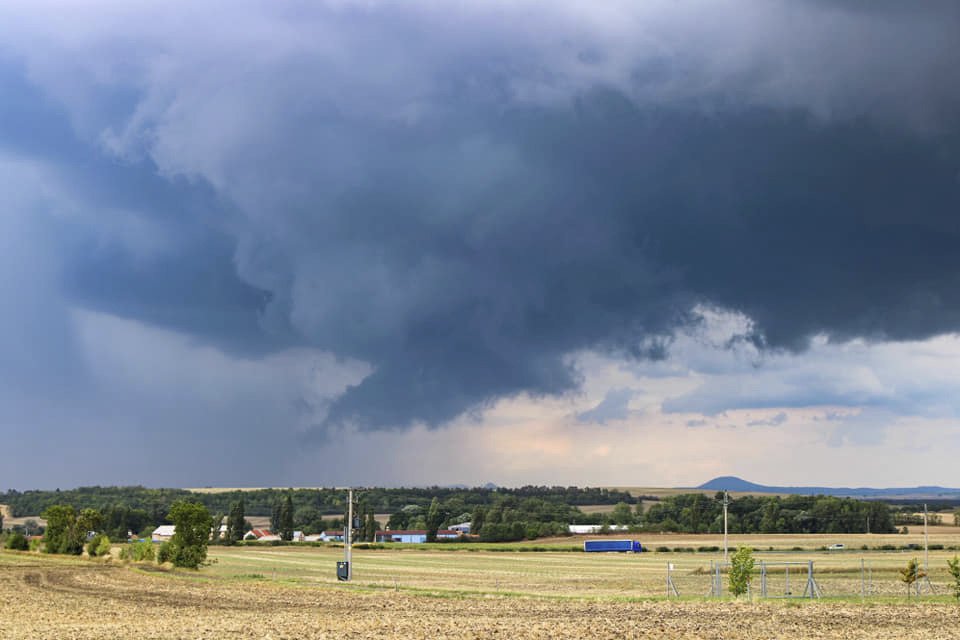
column 926, row 551
column 726, row 501
column 348, row 535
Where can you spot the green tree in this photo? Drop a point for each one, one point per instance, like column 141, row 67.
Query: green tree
column 17, row 542
column 911, row 573
column 286, row 518
column 65, row 532
column 622, row 514
column 370, row 528
column 476, row 520
column 434, row 518
column 235, row 522
column 192, row 534
column 216, row 523
column 275, row 518
column 954, row 567
column 399, row 520
column 741, row 570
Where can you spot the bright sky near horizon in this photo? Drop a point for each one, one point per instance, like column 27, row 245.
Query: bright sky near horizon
column 531, row 242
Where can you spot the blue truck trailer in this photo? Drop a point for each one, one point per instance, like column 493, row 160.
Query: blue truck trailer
column 623, row 546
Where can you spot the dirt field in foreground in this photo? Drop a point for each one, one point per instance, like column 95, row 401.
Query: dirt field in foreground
column 45, row 599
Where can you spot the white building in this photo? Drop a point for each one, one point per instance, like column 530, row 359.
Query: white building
column 589, row 529
column 463, row 528
column 163, row 533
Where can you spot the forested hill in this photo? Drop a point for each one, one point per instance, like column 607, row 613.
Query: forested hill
column 260, row 502
column 733, row 483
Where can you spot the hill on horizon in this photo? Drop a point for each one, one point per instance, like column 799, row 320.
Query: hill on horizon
column 733, row 483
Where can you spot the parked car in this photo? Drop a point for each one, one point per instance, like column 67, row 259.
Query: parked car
column 836, row 547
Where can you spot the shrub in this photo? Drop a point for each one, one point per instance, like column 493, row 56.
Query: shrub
column 741, row 568
column 17, row 542
column 663, row 549
column 954, row 567
column 99, row 545
column 138, row 552
column 911, row 574
column 165, row 553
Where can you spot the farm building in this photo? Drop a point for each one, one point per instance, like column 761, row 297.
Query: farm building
column 265, row 535
column 256, row 534
column 163, row 533
column 587, row 529
column 414, row 536
column 270, row 537
column 331, row 536
column 462, row 528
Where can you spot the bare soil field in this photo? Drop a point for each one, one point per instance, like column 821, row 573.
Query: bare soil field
column 54, row 598
column 291, row 592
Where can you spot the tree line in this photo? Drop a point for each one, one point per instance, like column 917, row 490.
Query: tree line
column 261, row 502
column 697, row 513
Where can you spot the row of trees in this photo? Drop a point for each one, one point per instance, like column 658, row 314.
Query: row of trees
column 155, row 503
column 69, row 530
column 697, row 513
column 506, row 518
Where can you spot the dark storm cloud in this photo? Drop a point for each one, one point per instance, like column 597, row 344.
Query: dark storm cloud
column 463, row 198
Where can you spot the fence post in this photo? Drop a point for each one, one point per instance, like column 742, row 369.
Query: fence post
column 763, row 579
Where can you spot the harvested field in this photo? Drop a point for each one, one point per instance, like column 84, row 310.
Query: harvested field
column 70, row 598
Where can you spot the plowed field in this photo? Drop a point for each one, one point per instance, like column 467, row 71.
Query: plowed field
column 47, row 598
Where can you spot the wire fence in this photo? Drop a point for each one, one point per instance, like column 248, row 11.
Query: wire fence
column 806, row 580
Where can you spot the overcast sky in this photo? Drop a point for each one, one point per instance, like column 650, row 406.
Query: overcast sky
column 431, row 242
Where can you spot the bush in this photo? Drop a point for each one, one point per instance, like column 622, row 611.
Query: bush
column 165, row 553
column 741, row 568
column 99, row 545
column 138, row 552
column 954, row 567
column 663, row 549
column 17, row 542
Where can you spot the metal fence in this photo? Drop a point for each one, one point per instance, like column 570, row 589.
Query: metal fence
column 804, row 579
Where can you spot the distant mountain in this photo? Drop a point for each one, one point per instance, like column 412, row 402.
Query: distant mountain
column 733, row 483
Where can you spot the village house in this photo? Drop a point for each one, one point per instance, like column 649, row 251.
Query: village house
column 163, row 533
column 414, row 536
